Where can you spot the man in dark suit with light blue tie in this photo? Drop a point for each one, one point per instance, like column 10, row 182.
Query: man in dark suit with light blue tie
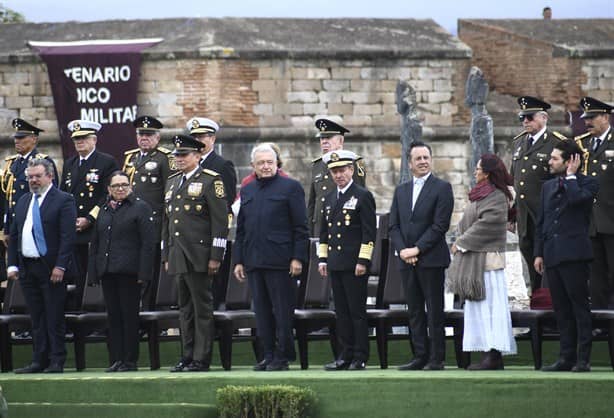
column 563, row 250
column 41, row 249
column 419, row 219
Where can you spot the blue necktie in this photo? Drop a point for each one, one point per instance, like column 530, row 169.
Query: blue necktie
column 37, row 228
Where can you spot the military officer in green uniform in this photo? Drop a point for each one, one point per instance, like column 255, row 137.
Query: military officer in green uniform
column 530, row 156
column 194, row 233
column 344, row 252
column 148, row 168
column 13, row 179
column 331, row 137
column 598, row 143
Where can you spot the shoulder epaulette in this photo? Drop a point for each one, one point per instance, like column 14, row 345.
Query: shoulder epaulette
column 41, row 156
column 519, row 135
column 584, row 135
column 316, row 159
column 178, row 173
column 358, row 157
column 131, row 151
column 11, row 157
column 164, row 150
column 559, row 135
column 211, row 172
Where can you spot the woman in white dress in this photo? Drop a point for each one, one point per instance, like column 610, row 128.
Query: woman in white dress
column 477, row 272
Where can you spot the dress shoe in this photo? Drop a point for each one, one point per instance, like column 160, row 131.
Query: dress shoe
column 581, row 367
column 30, row 368
column 491, row 360
column 357, row 365
column 127, row 367
column 559, row 366
column 114, row 367
column 196, row 366
column 179, row 367
column 434, row 365
column 337, row 365
column 415, row 364
column 277, row 366
column 54, row 368
column 260, row 367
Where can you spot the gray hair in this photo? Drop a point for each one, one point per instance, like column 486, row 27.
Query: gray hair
column 34, row 162
column 263, row 148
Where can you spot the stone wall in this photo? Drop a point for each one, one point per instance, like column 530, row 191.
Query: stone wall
column 599, row 79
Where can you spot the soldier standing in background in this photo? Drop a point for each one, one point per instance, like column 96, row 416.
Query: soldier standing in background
column 331, row 137
column 148, row 168
column 86, row 177
column 531, row 152
column 600, row 165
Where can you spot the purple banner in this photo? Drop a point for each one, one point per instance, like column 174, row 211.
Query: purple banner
column 97, row 81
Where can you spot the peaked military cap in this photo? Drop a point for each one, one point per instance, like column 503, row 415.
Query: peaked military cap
column 530, row 105
column 185, row 144
column 328, row 128
column 147, row 124
column 339, row 158
column 23, row 128
column 81, row 128
column 593, row 107
column 202, row 126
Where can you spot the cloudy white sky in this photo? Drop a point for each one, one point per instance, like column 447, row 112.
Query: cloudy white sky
column 444, row 12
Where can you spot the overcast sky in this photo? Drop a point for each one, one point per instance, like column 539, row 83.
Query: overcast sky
column 444, row 12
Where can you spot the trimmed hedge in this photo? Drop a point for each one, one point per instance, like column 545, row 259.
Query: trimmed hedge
column 266, row 401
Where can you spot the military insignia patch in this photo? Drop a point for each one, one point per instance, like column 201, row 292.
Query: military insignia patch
column 609, row 153
column 219, row 189
column 195, row 189
column 171, row 163
column 351, row 204
column 360, row 168
column 151, row 165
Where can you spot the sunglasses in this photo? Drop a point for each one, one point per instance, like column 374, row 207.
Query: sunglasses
column 527, row 117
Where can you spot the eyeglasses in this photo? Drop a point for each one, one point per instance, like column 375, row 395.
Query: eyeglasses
column 527, row 117
column 119, row 186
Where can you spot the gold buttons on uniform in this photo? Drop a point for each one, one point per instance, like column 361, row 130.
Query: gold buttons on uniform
column 326, row 176
column 522, row 183
column 595, row 161
column 523, row 171
column 323, row 199
column 339, row 247
column 81, row 194
column 80, row 206
column 338, row 223
column 522, row 196
column 593, row 174
column 330, row 224
column 176, row 221
column 177, row 233
column 323, row 187
column 338, row 235
column 526, row 158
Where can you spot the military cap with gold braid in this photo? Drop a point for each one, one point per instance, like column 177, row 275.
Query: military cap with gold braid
column 147, row 124
column 202, row 126
column 185, row 144
column 23, row 128
column 530, row 105
column 327, row 128
column 593, row 107
column 338, row 158
column 81, row 128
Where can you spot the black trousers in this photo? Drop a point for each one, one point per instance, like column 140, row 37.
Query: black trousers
column 45, row 302
column 424, row 285
column 75, row 299
column 274, row 295
column 350, row 296
column 149, row 289
column 526, row 244
column 569, row 289
column 196, row 315
column 602, row 272
column 122, row 296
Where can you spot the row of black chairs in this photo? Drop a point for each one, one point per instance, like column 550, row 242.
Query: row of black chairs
column 312, row 316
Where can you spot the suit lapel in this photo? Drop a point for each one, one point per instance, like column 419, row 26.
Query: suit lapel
column 340, row 202
column 424, row 193
column 604, row 144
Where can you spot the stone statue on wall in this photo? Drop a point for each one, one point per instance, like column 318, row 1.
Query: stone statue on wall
column 482, row 142
column 411, row 129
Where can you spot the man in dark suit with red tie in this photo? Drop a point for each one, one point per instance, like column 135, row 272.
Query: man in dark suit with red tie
column 85, row 176
column 419, row 219
column 40, row 252
column 599, row 142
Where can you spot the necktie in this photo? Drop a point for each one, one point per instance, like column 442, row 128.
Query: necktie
column 81, row 162
column 596, row 144
column 418, row 183
column 339, row 194
column 529, row 142
column 183, row 180
column 37, row 228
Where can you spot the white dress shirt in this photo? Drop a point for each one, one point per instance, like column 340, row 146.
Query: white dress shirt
column 418, row 183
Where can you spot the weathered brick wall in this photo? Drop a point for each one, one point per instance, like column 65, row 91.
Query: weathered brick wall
column 279, row 99
column 599, row 79
column 517, row 65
